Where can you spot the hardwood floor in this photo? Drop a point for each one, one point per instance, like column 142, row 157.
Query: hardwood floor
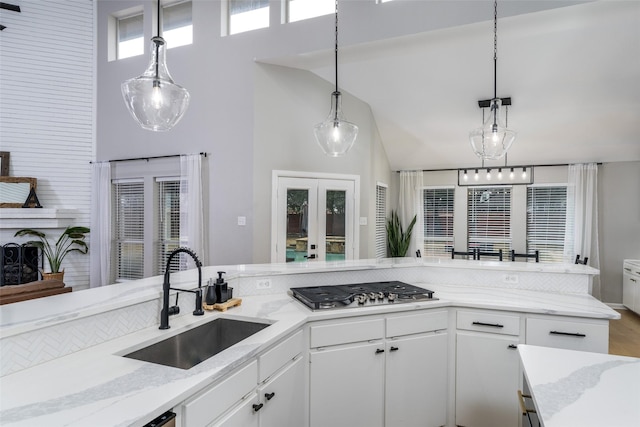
column 624, row 334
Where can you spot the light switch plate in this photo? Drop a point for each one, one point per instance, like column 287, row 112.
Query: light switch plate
column 242, row 220
column 363, row 220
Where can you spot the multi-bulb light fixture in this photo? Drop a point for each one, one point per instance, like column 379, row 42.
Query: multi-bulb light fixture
column 502, row 175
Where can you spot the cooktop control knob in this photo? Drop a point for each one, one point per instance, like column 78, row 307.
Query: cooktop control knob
column 392, row 297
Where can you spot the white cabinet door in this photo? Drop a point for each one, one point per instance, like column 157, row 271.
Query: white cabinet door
column 283, row 398
column 487, row 380
column 245, row 415
column 416, row 381
column 347, row 386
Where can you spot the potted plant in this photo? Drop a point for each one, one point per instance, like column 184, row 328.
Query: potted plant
column 72, row 239
column 398, row 240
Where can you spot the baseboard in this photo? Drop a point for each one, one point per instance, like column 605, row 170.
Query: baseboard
column 616, row 306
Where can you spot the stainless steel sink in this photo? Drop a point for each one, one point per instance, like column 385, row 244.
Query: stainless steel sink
column 191, row 347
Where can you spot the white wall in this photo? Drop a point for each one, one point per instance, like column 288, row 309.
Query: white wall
column 47, row 110
column 619, row 223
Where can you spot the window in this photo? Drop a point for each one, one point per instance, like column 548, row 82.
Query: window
column 546, row 219
column 438, row 221
column 304, row 9
column 489, row 219
column 247, row 15
column 177, row 28
column 168, row 212
column 128, row 205
column 130, row 36
column 381, row 220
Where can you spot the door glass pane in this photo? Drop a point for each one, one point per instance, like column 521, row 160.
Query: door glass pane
column 335, row 218
column 297, row 224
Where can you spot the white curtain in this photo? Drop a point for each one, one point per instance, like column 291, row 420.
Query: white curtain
column 410, row 204
column 191, row 206
column 581, row 237
column 100, row 236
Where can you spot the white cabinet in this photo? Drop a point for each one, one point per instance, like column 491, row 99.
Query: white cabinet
column 267, row 392
column 631, row 285
column 380, row 371
column 487, row 369
column 347, row 386
column 568, row 333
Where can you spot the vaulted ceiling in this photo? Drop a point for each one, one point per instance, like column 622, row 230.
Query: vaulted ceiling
column 573, row 74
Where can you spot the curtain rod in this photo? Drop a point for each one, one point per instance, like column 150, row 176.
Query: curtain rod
column 149, row 158
column 496, row 167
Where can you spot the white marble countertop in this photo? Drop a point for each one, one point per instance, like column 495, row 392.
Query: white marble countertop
column 97, row 386
column 576, row 388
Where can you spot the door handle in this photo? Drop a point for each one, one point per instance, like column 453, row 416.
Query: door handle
column 269, row 396
column 568, row 334
column 394, row 349
column 379, row 350
column 493, row 325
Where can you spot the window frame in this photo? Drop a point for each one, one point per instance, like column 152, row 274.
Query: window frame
column 475, row 239
column 380, row 240
column 168, row 38
column 137, row 271
column 545, row 243
column 431, row 239
column 122, row 17
column 227, row 9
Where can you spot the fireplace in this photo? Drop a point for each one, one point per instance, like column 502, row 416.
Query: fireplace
column 19, row 264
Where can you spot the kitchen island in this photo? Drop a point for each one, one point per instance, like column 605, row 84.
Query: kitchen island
column 62, row 356
column 576, row 388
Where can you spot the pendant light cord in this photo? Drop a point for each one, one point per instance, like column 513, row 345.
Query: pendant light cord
column 336, row 47
column 495, row 49
column 158, row 35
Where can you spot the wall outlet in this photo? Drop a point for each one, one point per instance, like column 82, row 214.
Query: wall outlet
column 263, row 283
column 363, row 220
column 510, row 278
column 242, row 220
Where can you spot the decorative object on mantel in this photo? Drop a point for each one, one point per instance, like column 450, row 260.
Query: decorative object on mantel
column 4, row 163
column 501, row 175
column 32, row 200
column 153, row 99
column 493, row 139
column 14, row 191
column 398, row 240
column 335, row 135
column 71, row 240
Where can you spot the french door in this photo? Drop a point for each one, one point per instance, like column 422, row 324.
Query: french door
column 314, row 219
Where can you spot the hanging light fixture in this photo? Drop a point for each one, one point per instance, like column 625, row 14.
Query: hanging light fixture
column 493, row 139
column 153, row 99
column 335, row 135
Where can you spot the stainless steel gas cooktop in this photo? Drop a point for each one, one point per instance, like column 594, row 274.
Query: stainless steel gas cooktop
column 360, row 295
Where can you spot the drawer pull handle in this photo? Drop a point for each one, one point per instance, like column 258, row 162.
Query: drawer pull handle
column 269, row 396
column 493, row 325
column 257, row 407
column 394, row 349
column 633, row 280
column 379, row 350
column 513, row 347
column 627, row 268
column 569, row 334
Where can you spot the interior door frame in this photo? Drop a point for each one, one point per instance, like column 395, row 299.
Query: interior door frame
column 277, row 174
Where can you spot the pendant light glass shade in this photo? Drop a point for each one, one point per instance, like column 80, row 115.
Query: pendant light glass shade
column 493, row 139
column 153, row 99
column 335, row 135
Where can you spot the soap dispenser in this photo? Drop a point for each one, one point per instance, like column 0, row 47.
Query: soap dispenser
column 222, row 294
column 210, row 297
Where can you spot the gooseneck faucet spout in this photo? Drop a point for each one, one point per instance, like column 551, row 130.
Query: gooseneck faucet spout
column 166, row 286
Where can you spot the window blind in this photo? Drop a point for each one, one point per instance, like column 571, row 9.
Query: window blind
column 381, row 221
column 128, row 205
column 546, row 219
column 438, row 221
column 168, row 220
column 130, row 36
column 176, row 16
column 489, row 219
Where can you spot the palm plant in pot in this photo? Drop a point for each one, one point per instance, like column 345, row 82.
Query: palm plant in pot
column 398, row 240
column 72, row 239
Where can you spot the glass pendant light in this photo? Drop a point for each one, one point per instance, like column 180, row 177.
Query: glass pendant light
column 153, row 99
column 335, row 135
column 493, row 139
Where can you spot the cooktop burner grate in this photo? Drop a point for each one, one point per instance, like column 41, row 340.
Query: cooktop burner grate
column 360, row 295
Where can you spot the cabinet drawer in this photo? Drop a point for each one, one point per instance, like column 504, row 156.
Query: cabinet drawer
column 485, row 321
column 346, row 332
column 275, row 358
column 417, row 323
column 571, row 334
column 212, row 403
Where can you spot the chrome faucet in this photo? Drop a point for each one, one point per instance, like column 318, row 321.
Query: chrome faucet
column 166, row 310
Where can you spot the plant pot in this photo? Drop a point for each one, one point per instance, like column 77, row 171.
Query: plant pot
column 53, row 276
